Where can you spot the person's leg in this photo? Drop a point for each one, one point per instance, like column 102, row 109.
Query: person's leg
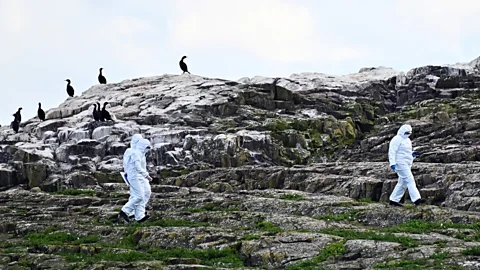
column 132, row 212
column 147, row 191
column 140, row 205
column 412, row 187
column 399, row 189
column 136, row 196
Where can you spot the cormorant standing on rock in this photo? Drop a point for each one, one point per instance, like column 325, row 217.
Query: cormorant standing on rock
column 101, row 78
column 183, row 66
column 105, row 113
column 100, row 114
column 18, row 116
column 96, row 113
column 70, row 90
column 40, row 112
column 15, row 124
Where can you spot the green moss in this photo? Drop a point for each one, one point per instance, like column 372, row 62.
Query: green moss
column 103, row 177
column 184, row 172
column 250, row 237
column 227, row 257
column 281, row 125
column 57, row 238
column 331, row 250
column 291, row 197
column 472, row 251
column 268, row 227
column 448, row 108
column 436, row 261
column 372, row 235
column 15, row 250
column 420, row 226
column 300, row 124
column 165, row 222
column 348, row 216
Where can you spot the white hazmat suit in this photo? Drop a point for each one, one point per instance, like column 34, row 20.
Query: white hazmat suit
column 401, row 156
column 134, row 163
column 133, row 145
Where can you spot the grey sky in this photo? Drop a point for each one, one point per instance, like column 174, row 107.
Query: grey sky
column 45, row 42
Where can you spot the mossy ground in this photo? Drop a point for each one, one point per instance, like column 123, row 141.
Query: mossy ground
column 95, row 238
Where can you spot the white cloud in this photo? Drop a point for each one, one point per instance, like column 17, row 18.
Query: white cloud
column 70, row 30
column 12, row 16
column 276, row 30
column 444, row 20
column 125, row 36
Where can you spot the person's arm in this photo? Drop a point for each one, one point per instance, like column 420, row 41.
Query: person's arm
column 138, row 166
column 392, row 150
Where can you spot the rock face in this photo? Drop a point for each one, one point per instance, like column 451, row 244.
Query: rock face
column 268, row 172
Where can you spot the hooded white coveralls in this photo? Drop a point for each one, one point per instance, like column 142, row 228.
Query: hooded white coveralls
column 135, row 165
column 400, row 154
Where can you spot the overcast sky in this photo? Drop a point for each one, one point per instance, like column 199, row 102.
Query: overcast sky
column 44, row 42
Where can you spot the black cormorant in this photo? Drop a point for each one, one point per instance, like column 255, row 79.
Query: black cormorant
column 96, row 113
column 105, row 113
column 100, row 112
column 15, row 124
column 18, row 116
column 183, row 66
column 70, row 90
column 101, row 78
column 40, row 112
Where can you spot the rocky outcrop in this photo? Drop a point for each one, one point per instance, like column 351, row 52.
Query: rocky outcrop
column 296, row 162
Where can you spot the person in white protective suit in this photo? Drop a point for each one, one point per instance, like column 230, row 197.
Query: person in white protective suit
column 401, row 156
column 133, row 145
column 134, row 163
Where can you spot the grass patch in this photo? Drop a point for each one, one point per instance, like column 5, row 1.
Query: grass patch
column 473, row 251
column 227, row 257
column 291, row 197
column 441, row 256
column 249, row 237
column 170, row 223
column 21, row 211
column 332, row 250
column 371, row 235
column 403, row 264
column 420, row 226
column 58, row 238
column 11, row 250
column 268, row 227
column 76, row 192
column 436, row 261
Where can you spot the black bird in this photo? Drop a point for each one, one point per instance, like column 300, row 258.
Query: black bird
column 105, row 113
column 40, row 112
column 183, row 66
column 101, row 118
column 18, row 116
column 96, row 113
column 101, row 78
column 15, row 124
column 70, row 90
